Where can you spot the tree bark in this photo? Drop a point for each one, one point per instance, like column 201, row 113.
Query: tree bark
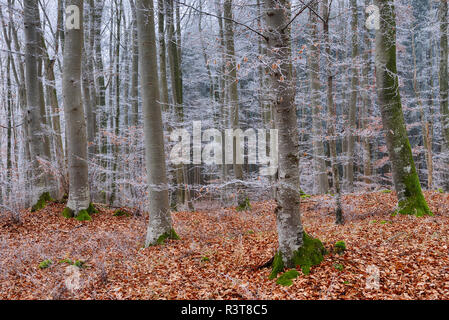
column 79, row 195
column 320, row 170
column 291, row 236
column 353, row 101
column 36, row 134
column 405, row 177
column 160, row 225
column 332, row 112
column 444, row 89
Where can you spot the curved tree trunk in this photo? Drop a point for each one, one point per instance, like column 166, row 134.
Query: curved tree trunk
column 405, row 178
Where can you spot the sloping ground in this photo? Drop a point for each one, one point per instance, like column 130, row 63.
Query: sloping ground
column 220, row 251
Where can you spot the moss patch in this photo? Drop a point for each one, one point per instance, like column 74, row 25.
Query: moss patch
column 42, row 202
column 277, row 267
column 244, row 205
column 120, row 213
column 91, row 209
column 45, row 264
column 171, row 235
column 413, row 202
column 77, row 263
column 68, row 213
column 286, row 278
column 339, row 266
column 310, row 254
column 340, row 247
column 83, row 215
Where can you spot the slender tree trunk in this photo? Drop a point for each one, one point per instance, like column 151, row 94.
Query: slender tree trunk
column 444, row 89
column 320, row 170
column 405, row 178
column 89, row 89
column 116, row 126
column 162, row 55
column 331, row 109
column 222, row 99
column 367, row 166
column 232, row 85
column 431, row 120
column 160, row 225
column 52, row 101
column 424, row 124
column 174, row 53
column 353, row 102
column 134, row 91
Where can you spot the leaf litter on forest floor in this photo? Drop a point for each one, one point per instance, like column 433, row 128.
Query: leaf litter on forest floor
column 220, row 251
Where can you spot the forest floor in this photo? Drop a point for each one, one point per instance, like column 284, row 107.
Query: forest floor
column 220, row 251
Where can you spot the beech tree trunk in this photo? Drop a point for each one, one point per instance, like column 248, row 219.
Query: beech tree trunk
column 160, row 224
column 37, row 134
column 288, row 217
column 76, row 131
column 405, row 177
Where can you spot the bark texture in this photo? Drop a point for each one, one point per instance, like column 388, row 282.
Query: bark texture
column 160, row 224
column 35, row 114
column 444, row 88
column 405, row 178
column 79, row 196
column 291, row 235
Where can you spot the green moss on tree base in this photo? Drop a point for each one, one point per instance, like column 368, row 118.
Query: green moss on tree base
column 277, row 267
column 91, row 209
column 68, row 213
column 414, row 202
column 42, row 202
column 244, row 205
column 171, row 235
column 311, row 253
column 83, row 215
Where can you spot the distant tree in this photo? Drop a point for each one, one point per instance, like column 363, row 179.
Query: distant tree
column 444, row 88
